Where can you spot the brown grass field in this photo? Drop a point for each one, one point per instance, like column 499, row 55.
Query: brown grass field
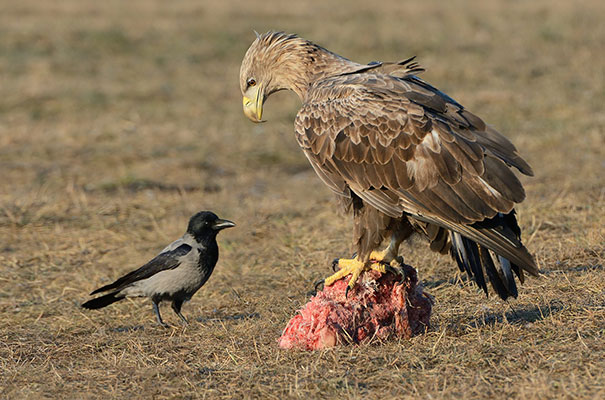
column 119, row 120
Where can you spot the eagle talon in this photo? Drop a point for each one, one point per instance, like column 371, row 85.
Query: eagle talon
column 352, row 267
column 318, row 283
column 397, row 271
column 336, row 262
column 396, row 267
column 335, row 266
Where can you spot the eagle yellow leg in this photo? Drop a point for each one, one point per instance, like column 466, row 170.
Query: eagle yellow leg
column 347, row 266
column 353, row 267
column 387, row 261
column 381, row 261
column 382, row 256
column 389, row 255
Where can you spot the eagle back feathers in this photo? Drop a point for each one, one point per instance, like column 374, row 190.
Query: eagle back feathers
column 375, row 132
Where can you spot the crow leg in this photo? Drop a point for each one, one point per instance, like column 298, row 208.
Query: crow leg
column 176, row 306
column 156, row 309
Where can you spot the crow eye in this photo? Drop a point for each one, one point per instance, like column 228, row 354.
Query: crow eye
column 251, row 82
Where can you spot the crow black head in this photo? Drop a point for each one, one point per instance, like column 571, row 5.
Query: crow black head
column 207, row 223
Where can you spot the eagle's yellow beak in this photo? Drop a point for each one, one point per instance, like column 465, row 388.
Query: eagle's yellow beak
column 253, row 105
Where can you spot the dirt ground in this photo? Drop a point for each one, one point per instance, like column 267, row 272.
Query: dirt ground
column 119, row 120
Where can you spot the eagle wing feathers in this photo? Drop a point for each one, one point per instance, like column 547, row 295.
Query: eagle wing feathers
column 402, row 146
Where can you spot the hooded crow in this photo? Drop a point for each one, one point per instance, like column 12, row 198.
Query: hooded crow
column 176, row 273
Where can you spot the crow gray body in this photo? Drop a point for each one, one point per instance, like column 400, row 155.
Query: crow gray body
column 176, row 273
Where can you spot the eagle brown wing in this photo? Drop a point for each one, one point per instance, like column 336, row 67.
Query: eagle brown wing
column 404, row 147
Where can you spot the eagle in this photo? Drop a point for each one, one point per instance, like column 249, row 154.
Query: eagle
column 401, row 156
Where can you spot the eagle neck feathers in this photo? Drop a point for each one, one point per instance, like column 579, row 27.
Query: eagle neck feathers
column 299, row 63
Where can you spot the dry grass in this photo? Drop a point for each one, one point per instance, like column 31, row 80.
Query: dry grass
column 118, row 120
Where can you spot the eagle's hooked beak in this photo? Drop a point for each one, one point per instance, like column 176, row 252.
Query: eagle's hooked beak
column 253, row 105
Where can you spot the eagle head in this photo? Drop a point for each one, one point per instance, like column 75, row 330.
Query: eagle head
column 275, row 61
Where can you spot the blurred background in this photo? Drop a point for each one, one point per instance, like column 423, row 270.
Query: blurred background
column 119, row 120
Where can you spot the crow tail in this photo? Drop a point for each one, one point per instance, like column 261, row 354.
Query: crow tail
column 102, row 301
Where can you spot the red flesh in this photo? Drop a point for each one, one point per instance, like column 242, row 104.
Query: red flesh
column 377, row 307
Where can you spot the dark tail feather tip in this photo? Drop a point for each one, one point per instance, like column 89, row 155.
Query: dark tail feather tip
column 102, row 301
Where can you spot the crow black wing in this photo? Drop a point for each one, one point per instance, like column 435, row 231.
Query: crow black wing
column 163, row 261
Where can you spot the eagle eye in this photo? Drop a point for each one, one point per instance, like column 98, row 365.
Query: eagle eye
column 251, row 82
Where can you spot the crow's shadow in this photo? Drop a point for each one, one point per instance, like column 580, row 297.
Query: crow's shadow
column 217, row 318
column 232, row 317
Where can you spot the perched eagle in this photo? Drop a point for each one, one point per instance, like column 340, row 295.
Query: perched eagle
column 403, row 156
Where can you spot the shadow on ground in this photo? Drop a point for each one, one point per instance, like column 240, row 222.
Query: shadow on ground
column 520, row 315
column 220, row 318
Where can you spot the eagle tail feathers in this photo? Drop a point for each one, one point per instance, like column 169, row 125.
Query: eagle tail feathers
column 490, row 250
column 478, row 261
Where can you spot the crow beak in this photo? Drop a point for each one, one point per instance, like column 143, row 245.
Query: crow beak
column 222, row 224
